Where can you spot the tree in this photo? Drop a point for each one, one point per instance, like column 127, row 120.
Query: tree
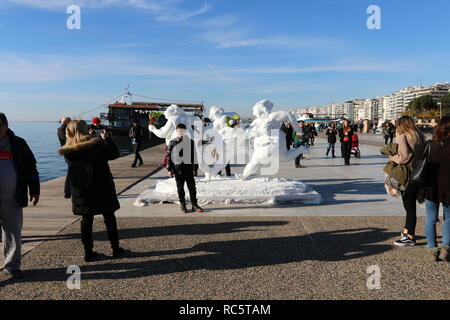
column 445, row 100
column 421, row 104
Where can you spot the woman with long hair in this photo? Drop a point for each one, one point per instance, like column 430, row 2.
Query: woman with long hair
column 91, row 182
column 345, row 135
column 437, row 190
column 408, row 138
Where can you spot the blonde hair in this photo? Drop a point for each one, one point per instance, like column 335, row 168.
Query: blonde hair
column 77, row 131
column 407, row 127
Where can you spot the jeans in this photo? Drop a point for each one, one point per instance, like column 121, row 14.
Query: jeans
column 186, row 177
column 432, row 219
column 137, row 156
column 331, row 147
column 409, row 198
column 299, row 157
column 11, row 217
column 346, row 149
column 111, row 228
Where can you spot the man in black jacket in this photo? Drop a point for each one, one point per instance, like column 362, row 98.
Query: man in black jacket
column 180, row 164
column 62, row 140
column 19, row 175
column 136, row 134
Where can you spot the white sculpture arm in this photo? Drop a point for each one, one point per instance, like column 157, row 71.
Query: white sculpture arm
column 282, row 116
column 164, row 131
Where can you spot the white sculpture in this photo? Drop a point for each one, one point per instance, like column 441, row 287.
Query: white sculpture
column 269, row 145
column 175, row 115
column 223, row 140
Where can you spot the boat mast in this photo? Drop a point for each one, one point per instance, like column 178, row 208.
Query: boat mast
column 127, row 95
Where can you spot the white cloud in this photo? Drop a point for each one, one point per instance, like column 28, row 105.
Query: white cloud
column 163, row 10
column 35, row 68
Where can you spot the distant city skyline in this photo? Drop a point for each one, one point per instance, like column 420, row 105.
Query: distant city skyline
column 226, row 53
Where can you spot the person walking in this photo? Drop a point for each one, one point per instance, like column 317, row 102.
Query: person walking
column 136, row 134
column 299, row 138
column 19, row 177
column 408, row 138
column 331, row 134
column 391, row 132
column 313, row 133
column 92, row 184
column 61, row 133
column 345, row 135
column 181, row 160
column 289, row 131
column 437, row 191
column 385, row 133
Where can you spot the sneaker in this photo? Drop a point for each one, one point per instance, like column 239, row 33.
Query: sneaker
column 183, row 209
column 405, row 242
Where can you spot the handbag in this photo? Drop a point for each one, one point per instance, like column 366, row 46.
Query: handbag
column 420, row 172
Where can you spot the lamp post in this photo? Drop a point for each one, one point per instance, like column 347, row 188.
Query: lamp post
column 440, row 109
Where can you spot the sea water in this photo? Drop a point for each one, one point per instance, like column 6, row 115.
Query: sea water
column 42, row 139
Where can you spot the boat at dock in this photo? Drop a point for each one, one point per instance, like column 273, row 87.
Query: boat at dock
column 121, row 113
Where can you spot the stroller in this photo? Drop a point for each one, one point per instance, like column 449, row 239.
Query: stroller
column 355, row 147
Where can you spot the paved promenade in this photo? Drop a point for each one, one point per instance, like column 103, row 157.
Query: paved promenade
column 248, row 251
column 54, row 213
column 356, row 190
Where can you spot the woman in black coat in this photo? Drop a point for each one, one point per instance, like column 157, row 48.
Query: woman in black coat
column 91, row 182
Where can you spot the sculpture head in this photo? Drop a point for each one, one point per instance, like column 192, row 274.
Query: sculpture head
column 262, row 108
column 215, row 113
column 173, row 111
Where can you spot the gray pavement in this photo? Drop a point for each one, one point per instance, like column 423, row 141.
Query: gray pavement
column 236, row 258
column 247, row 251
column 356, row 190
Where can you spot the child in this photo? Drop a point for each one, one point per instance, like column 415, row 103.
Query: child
column 181, row 166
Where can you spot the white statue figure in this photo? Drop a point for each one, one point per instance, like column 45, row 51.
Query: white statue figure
column 175, row 115
column 219, row 117
column 223, row 140
column 269, row 147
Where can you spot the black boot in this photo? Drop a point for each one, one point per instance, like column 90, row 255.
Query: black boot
column 117, row 251
column 197, row 208
column 89, row 255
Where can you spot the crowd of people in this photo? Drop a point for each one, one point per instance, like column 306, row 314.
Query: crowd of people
column 90, row 184
column 345, row 132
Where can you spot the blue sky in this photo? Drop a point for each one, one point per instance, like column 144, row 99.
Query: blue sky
column 224, row 52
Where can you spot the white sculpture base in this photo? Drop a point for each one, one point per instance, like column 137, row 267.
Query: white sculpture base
column 227, row 190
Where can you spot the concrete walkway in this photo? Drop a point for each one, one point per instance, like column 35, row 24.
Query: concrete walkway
column 54, row 213
column 356, row 190
column 247, row 252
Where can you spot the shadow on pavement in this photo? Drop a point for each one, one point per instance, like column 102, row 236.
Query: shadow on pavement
column 328, row 190
column 340, row 245
column 187, row 229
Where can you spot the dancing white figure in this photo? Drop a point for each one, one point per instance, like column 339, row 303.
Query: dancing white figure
column 175, row 115
column 223, row 141
column 269, row 141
